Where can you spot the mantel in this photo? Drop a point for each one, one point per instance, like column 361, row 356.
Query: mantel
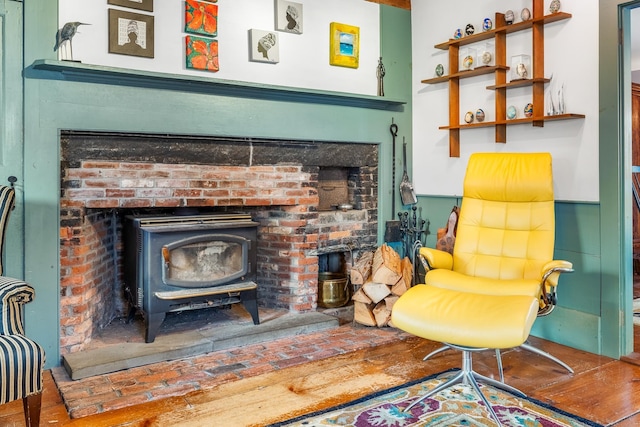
column 75, row 71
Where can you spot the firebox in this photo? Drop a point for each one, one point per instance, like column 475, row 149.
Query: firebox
column 184, row 262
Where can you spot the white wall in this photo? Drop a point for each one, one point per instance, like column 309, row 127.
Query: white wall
column 304, row 58
column 571, row 48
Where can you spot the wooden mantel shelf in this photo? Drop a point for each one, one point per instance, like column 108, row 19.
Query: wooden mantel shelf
column 76, row 71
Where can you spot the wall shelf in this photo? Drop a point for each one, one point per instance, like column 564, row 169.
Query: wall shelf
column 537, row 81
column 76, row 71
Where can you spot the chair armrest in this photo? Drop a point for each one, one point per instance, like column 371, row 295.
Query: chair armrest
column 436, row 258
column 14, row 293
column 551, row 271
column 550, row 274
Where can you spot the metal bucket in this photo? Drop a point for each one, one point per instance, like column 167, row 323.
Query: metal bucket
column 333, row 290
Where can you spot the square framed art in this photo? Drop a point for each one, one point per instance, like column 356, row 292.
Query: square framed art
column 344, row 45
column 202, row 53
column 264, row 46
column 134, row 4
column 131, row 33
column 201, row 18
column 289, row 16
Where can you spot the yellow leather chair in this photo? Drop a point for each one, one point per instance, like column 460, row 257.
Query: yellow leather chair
column 501, row 275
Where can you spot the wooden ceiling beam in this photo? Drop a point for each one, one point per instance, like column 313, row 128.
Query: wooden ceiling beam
column 404, row 4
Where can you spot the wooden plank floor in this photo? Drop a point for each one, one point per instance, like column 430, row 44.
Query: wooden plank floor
column 602, row 389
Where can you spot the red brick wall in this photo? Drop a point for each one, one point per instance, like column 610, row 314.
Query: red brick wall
column 282, row 198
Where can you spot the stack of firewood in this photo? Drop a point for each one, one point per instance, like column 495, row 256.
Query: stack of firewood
column 380, row 278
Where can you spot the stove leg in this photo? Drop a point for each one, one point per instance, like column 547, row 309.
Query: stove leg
column 152, row 323
column 251, row 305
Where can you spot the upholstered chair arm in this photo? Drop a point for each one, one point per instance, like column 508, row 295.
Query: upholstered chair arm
column 550, row 275
column 14, row 294
column 436, row 258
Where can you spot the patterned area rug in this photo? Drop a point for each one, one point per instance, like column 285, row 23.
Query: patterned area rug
column 455, row 406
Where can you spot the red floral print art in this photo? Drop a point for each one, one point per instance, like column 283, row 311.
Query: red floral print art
column 201, row 18
column 202, row 54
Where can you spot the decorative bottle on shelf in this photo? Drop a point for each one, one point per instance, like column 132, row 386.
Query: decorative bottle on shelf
column 561, row 100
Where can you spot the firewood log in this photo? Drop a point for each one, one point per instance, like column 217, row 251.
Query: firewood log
column 386, row 267
column 406, row 280
column 390, row 301
column 361, row 270
column 360, row 296
column 376, row 291
column 382, row 314
column 363, row 314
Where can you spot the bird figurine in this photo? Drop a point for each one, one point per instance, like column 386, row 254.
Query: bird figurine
column 64, row 36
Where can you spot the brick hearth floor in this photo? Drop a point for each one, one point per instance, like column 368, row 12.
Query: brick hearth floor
column 161, row 380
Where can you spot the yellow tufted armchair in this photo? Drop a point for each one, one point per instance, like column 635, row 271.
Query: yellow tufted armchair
column 502, row 274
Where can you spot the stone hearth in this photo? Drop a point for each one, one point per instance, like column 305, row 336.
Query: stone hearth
column 105, row 176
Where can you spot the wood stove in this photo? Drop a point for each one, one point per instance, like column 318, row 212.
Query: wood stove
column 184, row 262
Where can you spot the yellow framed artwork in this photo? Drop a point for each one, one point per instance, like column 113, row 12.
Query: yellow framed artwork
column 344, row 45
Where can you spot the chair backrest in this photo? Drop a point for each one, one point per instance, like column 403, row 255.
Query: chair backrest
column 506, row 228
column 7, row 200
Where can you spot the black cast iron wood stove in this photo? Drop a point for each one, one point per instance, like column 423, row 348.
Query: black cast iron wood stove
column 174, row 263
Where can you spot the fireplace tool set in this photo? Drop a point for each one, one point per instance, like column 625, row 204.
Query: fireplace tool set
column 413, row 230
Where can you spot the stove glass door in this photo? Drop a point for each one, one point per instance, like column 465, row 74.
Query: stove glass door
column 206, row 260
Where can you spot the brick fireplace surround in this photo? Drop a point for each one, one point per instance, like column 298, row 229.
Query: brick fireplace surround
column 105, row 176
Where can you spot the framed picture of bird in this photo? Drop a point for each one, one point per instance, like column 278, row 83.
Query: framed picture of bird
column 131, row 33
column 134, row 4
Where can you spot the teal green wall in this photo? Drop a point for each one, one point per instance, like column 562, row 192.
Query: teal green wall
column 52, row 104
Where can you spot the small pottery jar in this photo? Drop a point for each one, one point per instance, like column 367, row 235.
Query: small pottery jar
column 468, row 118
column 528, row 110
column 467, row 62
column 469, row 29
column 485, row 57
column 508, row 17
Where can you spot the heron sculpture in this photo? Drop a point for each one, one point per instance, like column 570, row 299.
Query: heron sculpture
column 64, row 36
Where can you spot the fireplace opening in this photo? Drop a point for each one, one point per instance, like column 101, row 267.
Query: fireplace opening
column 107, row 176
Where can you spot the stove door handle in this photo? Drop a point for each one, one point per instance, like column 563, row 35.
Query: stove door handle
column 166, row 256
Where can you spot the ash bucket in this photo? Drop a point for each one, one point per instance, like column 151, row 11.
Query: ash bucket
column 333, row 290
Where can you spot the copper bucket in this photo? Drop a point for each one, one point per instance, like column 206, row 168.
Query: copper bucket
column 333, row 290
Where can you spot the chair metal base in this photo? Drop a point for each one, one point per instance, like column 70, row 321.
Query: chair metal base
column 525, row 346
column 447, row 347
column 469, row 377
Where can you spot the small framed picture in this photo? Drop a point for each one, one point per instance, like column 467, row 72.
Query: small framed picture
column 289, row 16
column 264, row 46
column 344, row 45
column 201, row 18
column 134, row 4
column 202, row 53
column 130, row 33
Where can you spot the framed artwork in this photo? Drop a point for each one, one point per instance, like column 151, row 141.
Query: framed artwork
column 264, row 46
column 130, row 33
column 200, row 18
column 289, row 16
column 134, row 4
column 202, row 53
column 344, row 45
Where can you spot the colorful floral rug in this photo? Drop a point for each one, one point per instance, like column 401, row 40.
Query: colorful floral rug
column 455, row 406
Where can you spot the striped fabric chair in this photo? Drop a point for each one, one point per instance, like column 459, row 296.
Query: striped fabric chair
column 21, row 359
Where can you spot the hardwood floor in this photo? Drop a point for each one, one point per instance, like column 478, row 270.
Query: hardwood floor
column 604, row 390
